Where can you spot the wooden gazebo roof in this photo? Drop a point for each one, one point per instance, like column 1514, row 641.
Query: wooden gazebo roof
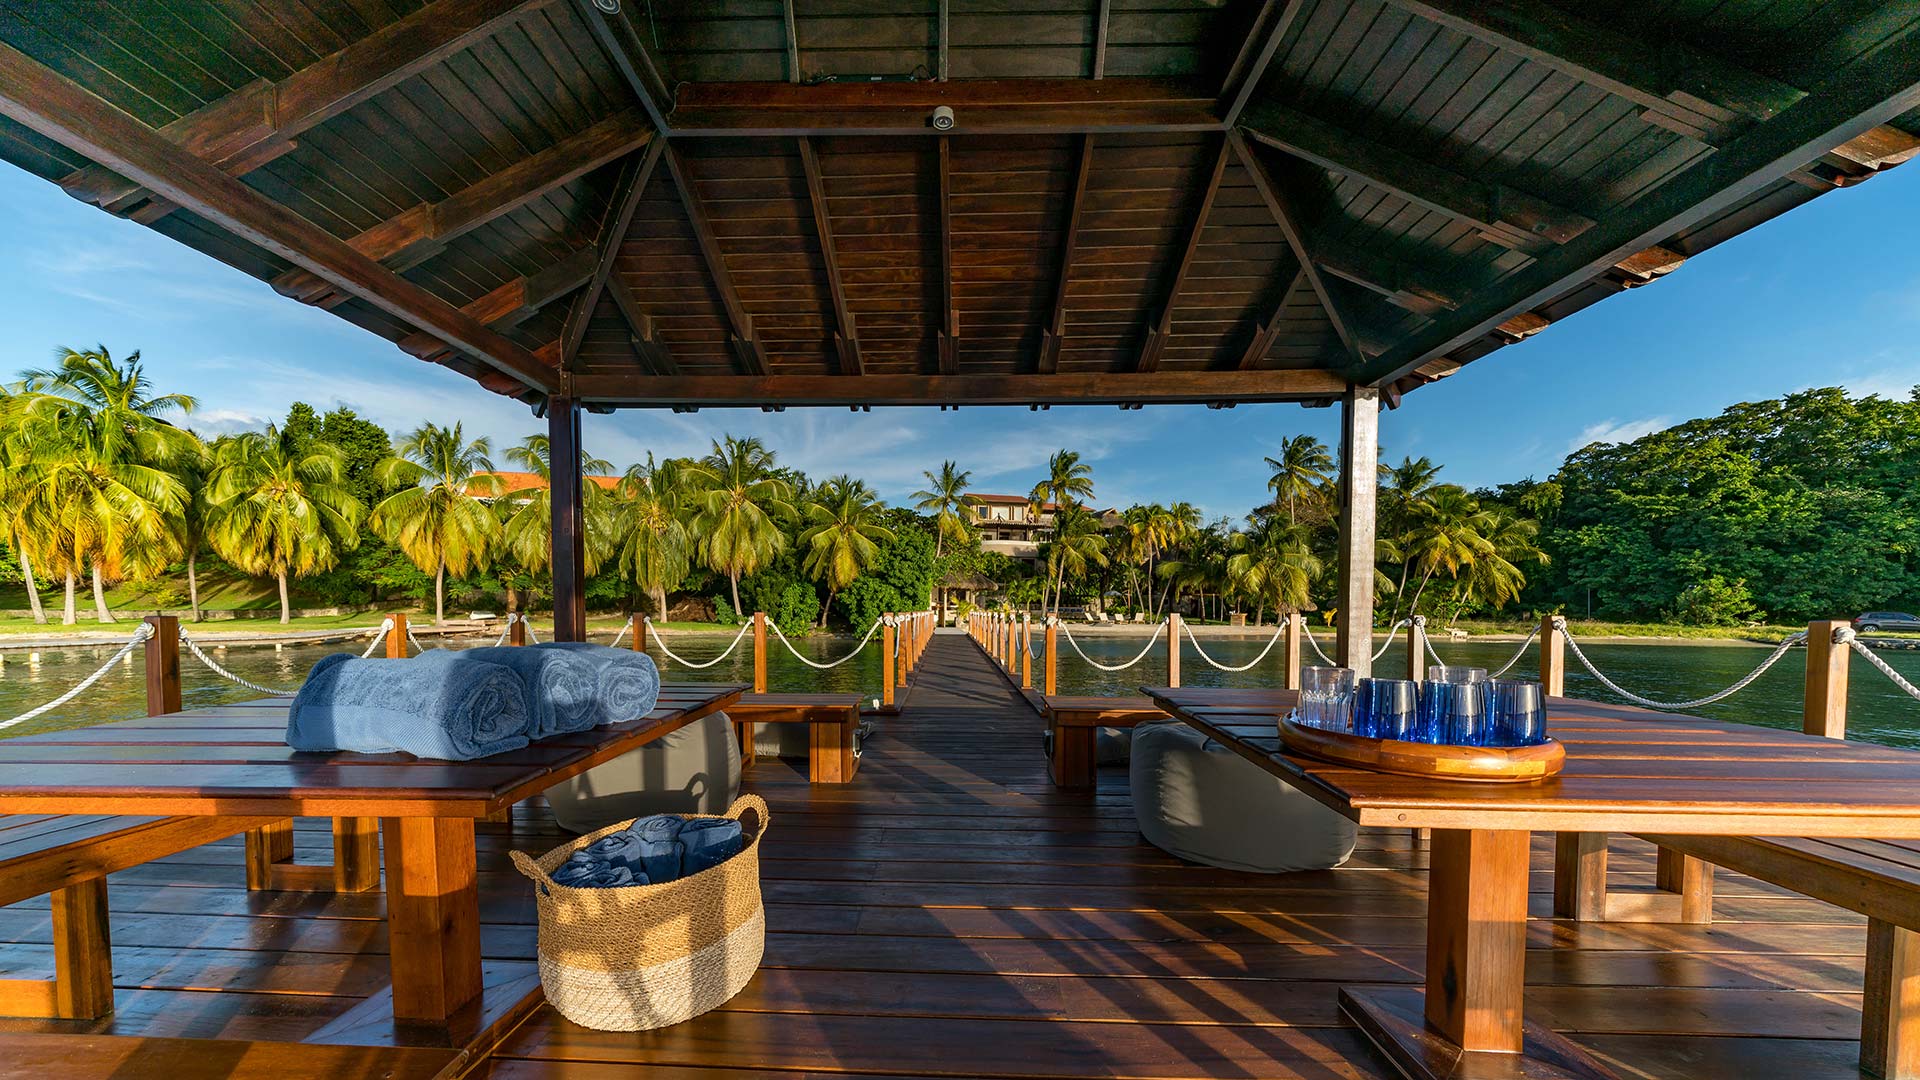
column 714, row 204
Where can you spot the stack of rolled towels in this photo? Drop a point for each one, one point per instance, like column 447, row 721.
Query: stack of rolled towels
column 471, row 703
column 652, row 851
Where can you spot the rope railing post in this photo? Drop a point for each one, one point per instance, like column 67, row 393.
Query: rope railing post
column 1052, row 646
column 759, row 652
column 637, row 626
column 516, row 629
column 1553, row 656
column 1417, row 648
column 398, row 637
column 1824, row 710
column 887, row 647
column 1296, row 626
column 162, row 649
column 901, row 656
column 1173, row 648
column 1026, row 650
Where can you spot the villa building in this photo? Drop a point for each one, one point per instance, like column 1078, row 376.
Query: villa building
column 1014, row 527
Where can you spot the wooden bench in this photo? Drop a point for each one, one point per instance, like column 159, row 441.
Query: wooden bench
column 1876, row 878
column 70, row 857
column 832, row 751
column 1075, row 723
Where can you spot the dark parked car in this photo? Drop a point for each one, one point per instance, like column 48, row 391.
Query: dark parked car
column 1886, row 620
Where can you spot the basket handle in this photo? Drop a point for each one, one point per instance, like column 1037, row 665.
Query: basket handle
column 750, row 804
column 525, row 864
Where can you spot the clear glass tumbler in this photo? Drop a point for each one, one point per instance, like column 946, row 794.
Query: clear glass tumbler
column 1326, row 698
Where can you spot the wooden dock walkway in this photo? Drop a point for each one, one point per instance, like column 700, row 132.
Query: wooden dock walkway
column 950, row 913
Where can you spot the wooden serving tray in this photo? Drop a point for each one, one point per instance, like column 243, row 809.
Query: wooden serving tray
column 1482, row 764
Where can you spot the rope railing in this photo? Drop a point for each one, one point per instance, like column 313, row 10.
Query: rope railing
column 815, row 664
column 414, row 639
column 1504, row 668
column 660, row 640
column 1780, row 650
column 1278, row 633
column 1845, row 635
column 139, row 637
column 617, row 634
column 1391, row 630
column 214, row 666
column 379, row 636
column 1066, row 629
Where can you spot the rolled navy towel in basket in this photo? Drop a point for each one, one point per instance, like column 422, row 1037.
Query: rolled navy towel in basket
column 561, row 693
column 708, row 842
column 626, row 683
column 654, row 852
column 455, row 708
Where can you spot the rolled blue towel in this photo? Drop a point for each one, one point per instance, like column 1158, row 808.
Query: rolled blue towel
column 576, row 873
column 659, row 859
column 454, row 709
column 708, row 842
column 626, row 683
column 560, row 686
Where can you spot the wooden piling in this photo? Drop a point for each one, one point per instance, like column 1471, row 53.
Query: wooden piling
column 1052, row 658
column 162, row 655
column 886, row 659
column 1825, row 707
column 1295, row 629
column 397, row 637
column 1173, row 648
column 1553, row 658
column 1416, row 648
column 759, row 652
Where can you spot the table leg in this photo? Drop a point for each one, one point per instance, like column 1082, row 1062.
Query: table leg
column 1470, row 1022
column 356, row 854
column 433, row 916
column 1073, row 763
column 82, row 951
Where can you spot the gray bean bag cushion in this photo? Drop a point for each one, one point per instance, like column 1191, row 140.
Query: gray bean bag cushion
column 695, row 770
column 782, row 740
column 1199, row 800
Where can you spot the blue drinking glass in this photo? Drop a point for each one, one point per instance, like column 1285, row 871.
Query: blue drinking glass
column 1467, row 714
column 1519, row 713
column 1392, row 708
column 1435, row 706
column 1362, row 709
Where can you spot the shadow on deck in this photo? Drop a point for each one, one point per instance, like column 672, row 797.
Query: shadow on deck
column 951, row 913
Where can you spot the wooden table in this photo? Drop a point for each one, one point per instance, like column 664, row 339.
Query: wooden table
column 1628, row 770
column 233, row 761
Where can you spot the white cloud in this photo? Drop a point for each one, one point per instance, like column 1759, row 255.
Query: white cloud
column 1613, row 430
column 225, row 421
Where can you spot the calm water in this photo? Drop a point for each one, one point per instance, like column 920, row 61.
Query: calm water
column 1877, row 712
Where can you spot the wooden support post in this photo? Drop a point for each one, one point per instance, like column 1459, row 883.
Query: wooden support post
column 1477, row 937
column 267, row 847
column 1689, row 878
column 1173, row 649
column 397, row 637
column 1074, row 764
column 639, row 634
column 517, row 631
column 82, row 951
column 1553, row 658
column 1417, row 648
column 1580, row 876
column 902, row 659
column 1825, row 711
column 759, row 652
column 1294, row 633
column 566, row 496
column 1359, row 490
column 433, row 916
column 356, row 854
column 1026, row 651
column 1052, row 658
column 887, row 648
column 163, row 665
column 1890, row 1012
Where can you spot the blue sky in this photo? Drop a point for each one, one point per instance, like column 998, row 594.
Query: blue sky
column 1828, row 294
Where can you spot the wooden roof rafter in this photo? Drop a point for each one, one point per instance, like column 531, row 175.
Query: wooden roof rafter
column 1270, row 24
column 744, row 342
column 1269, row 328
column 948, row 336
column 846, row 339
column 642, row 333
column 1280, row 206
column 634, row 177
column 632, row 59
column 511, row 303
column 1055, row 330
column 1155, row 342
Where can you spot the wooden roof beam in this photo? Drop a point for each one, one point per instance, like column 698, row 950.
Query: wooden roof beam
column 1503, row 215
column 1269, row 328
column 634, row 177
column 648, row 347
column 417, row 234
column 1682, row 88
column 512, row 303
column 260, row 121
column 1062, row 389
column 949, row 333
column 1156, row 340
column 65, row 112
column 1853, row 101
column 1102, row 20
column 632, row 59
column 747, row 350
column 1280, row 205
column 846, row 339
column 1056, row 329
column 996, row 106
column 1256, row 54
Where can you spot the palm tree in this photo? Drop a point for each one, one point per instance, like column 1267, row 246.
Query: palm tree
column 101, row 461
column 843, row 535
column 654, row 507
column 1446, row 536
column 16, row 491
column 438, row 517
column 278, row 509
column 1495, row 579
column 740, row 506
column 1078, row 543
column 1407, row 486
column 1273, row 564
column 1068, row 481
column 1301, row 472
column 528, row 528
column 945, row 497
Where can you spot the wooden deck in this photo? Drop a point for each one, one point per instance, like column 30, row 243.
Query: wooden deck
column 951, row 914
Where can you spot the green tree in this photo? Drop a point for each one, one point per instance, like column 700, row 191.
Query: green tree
column 1078, row 544
column 1300, row 473
column 280, row 509
column 843, row 535
column 528, row 527
column 1068, row 481
column 740, row 506
column 945, row 499
column 654, row 506
column 438, row 516
column 1272, row 564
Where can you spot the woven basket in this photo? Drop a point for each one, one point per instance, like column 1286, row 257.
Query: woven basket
column 646, row 956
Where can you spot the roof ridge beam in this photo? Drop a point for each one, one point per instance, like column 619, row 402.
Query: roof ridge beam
column 745, row 343
column 1504, row 215
column 1070, row 388
column 1156, row 340
column 1280, row 205
column 67, row 113
column 996, row 106
column 259, row 122
column 420, row 232
column 1052, row 334
column 846, row 339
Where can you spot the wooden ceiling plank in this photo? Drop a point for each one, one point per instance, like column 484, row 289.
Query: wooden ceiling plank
column 1279, row 204
column 61, row 110
column 1256, row 54
column 846, row 339
column 745, row 343
column 1052, row 334
column 1000, row 106
column 1156, row 340
column 949, row 334
column 895, row 389
column 632, row 59
column 634, row 177
column 512, row 303
column 259, row 122
column 1851, row 102
column 418, row 233
column 1505, row 216
column 1684, row 88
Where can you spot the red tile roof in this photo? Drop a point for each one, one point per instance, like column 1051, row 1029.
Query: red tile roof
column 513, row 483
